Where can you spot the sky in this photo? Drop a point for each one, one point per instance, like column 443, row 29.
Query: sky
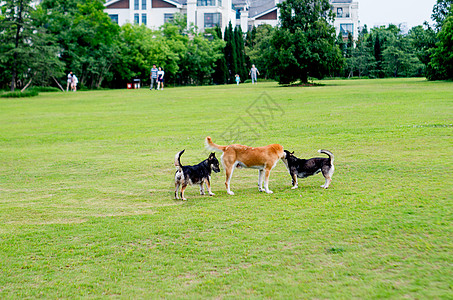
column 414, row 12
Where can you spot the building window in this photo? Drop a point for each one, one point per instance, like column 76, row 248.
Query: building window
column 238, row 14
column 205, row 2
column 144, row 4
column 136, row 4
column 339, row 12
column 114, row 18
column 136, row 19
column 346, row 28
column 168, row 18
column 144, row 19
column 212, row 20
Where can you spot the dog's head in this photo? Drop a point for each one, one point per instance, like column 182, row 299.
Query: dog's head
column 288, row 154
column 289, row 157
column 213, row 162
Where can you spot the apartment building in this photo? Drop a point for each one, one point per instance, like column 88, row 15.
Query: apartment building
column 347, row 17
column 211, row 13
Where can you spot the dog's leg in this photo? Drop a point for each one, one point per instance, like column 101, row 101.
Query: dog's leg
column 294, row 180
column 328, row 175
column 229, row 172
column 176, row 190
column 183, row 188
column 327, row 183
column 208, row 185
column 267, row 172
column 260, row 180
column 201, row 189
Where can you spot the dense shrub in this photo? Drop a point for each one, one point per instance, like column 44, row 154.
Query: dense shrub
column 19, row 94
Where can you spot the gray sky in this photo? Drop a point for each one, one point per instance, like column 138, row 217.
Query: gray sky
column 414, row 12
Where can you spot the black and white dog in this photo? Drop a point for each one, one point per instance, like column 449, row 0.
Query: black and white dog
column 306, row 167
column 197, row 174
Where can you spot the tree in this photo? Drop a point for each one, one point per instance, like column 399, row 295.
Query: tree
column 258, row 48
column 441, row 65
column 441, row 10
column 423, row 40
column 198, row 63
column 377, row 51
column 230, row 53
column 362, row 58
column 220, row 75
column 26, row 50
column 304, row 46
column 240, row 53
column 86, row 36
column 140, row 48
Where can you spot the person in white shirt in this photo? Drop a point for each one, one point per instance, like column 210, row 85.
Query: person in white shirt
column 160, row 79
column 253, row 72
column 69, row 82
column 75, row 80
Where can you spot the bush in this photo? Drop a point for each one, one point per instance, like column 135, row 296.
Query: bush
column 19, row 94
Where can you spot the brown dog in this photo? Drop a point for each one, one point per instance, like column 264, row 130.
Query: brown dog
column 262, row 158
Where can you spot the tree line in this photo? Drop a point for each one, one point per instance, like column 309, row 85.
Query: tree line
column 39, row 45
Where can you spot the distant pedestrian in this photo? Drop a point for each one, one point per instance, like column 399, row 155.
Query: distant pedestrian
column 238, row 79
column 69, row 82
column 160, row 79
column 75, row 80
column 153, row 77
column 253, row 72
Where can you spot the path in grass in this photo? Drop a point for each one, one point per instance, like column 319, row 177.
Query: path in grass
column 86, row 185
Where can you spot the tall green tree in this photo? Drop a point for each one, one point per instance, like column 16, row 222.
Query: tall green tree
column 220, row 75
column 364, row 60
column 258, row 48
column 140, row 48
column 423, row 41
column 26, row 50
column 86, row 36
column 241, row 67
column 198, row 65
column 441, row 65
column 441, row 10
column 399, row 59
column 377, row 51
column 230, row 52
column 304, row 46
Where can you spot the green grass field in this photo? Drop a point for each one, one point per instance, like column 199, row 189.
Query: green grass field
column 87, row 209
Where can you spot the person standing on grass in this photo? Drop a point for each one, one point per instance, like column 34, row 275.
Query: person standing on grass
column 160, row 79
column 253, row 72
column 69, row 82
column 238, row 79
column 75, row 80
column 153, row 77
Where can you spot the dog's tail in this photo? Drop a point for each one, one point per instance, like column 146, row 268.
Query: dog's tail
column 328, row 153
column 177, row 159
column 213, row 147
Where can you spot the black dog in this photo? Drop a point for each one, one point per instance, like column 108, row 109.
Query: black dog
column 306, row 167
column 197, row 174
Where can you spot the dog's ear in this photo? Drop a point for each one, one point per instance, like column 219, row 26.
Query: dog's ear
column 292, row 153
column 212, row 155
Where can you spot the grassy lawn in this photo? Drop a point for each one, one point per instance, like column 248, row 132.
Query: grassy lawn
column 87, row 209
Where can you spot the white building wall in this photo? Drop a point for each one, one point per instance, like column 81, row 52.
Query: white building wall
column 191, row 12
column 195, row 15
column 244, row 20
column 123, row 15
column 350, row 15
